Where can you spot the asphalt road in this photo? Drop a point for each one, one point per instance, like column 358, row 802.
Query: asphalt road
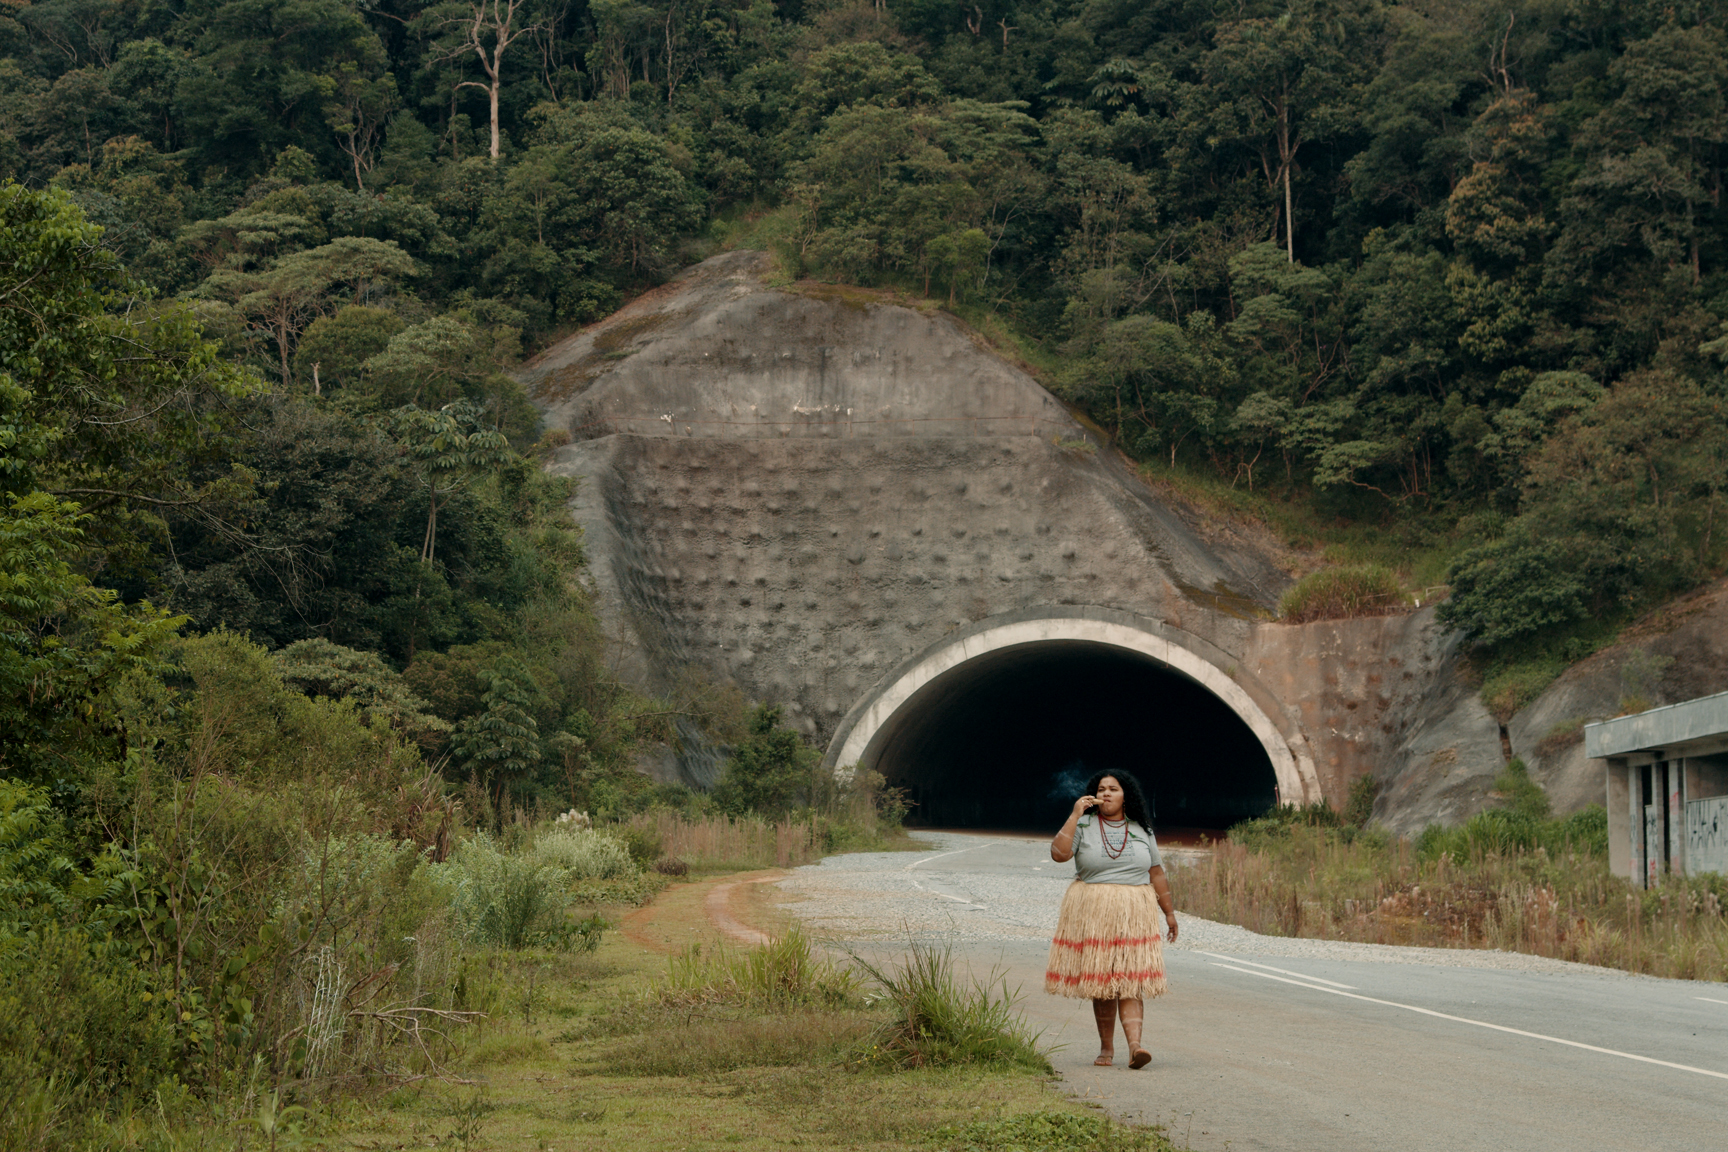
column 1295, row 1045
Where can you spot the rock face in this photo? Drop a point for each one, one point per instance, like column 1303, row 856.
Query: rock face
column 796, row 492
column 810, row 492
column 1678, row 653
column 1383, row 697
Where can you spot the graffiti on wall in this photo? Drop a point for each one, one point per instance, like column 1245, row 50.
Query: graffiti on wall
column 1707, row 835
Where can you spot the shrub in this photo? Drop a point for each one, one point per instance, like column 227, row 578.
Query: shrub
column 503, row 899
column 1561, row 736
column 585, row 855
column 1507, row 831
column 1359, row 808
column 940, row 1021
column 83, row 1031
column 641, row 844
column 1260, row 832
column 770, row 769
column 1342, row 594
column 516, row 899
column 1507, row 689
column 1523, row 795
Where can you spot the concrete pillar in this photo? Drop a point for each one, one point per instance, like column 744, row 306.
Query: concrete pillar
column 1635, row 822
column 1677, row 817
column 1619, row 777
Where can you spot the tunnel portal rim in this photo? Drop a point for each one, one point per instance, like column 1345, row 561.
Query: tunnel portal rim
column 858, row 737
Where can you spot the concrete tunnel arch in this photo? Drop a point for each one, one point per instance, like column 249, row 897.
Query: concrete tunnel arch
column 922, row 682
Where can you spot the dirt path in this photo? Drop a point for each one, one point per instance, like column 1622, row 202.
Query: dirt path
column 738, row 909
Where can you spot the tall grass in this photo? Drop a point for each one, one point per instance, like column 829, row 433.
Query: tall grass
column 1343, row 594
column 939, row 1019
column 1484, row 886
column 734, row 843
column 782, row 975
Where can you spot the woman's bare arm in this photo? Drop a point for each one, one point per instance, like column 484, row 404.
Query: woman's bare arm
column 1062, row 844
column 1167, row 902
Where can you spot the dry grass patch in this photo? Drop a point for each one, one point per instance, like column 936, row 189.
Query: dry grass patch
column 1474, row 887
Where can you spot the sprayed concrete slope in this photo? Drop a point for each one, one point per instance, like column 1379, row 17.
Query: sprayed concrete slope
column 812, row 493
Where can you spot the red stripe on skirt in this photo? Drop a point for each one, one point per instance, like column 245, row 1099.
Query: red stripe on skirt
column 1099, row 941
column 1106, row 977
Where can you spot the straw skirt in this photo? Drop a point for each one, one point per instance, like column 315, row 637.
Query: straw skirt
column 1107, row 944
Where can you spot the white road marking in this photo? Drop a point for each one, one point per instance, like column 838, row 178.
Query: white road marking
column 1481, row 1023
column 1706, row 998
column 1285, row 971
column 939, row 856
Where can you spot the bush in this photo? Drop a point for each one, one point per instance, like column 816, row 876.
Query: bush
column 1342, row 594
column 585, row 855
column 939, row 1021
column 1506, row 832
column 503, row 899
column 641, row 844
column 513, row 900
column 1359, row 808
column 1523, row 795
column 1260, row 832
column 1509, row 687
column 84, row 1032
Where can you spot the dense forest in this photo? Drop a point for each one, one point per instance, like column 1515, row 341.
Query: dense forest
column 1452, row 270
column 285, row 594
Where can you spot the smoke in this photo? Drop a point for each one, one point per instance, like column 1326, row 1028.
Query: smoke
column 1068, row 783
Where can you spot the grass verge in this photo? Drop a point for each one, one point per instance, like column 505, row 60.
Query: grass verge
column 709, row 1048
column 1503, row 880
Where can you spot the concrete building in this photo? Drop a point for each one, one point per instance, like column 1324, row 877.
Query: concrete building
column 1667, row 773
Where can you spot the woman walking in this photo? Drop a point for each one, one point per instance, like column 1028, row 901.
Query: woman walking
column 1107, row 948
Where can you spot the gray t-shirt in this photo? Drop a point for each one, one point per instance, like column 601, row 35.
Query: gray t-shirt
column 1096, row 866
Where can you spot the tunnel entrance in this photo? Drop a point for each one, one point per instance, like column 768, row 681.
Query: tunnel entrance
column 1008, row 739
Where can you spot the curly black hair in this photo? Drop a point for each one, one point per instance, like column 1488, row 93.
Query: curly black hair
column 1133, row 799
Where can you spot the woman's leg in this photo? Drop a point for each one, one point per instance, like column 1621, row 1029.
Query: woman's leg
column 1104, row 1012
column 1133, row 1016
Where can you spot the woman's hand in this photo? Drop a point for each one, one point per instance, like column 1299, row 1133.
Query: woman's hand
column 1062, row 846
column 1166, row 902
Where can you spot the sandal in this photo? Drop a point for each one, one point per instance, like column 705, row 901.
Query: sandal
column 1104, row 1061
column 1140, row 1059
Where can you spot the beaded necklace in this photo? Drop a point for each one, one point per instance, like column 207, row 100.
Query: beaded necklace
column 1105, row 827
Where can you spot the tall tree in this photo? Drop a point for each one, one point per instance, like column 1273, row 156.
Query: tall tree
column 487, row 30
column 1288, row 80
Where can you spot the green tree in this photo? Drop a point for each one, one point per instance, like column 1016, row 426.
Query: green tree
column 450, row 449
column 1623, row 502
column 333, row 348
column 1654, row 181
column 502, row 743
column 770, row 769
column 281, row 301
column 320, row 668
column 1288, row 81
column 131, row 408
column 358, row 104
column 485, row 30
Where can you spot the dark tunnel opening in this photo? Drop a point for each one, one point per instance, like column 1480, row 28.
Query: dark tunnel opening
column 1008, row 739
